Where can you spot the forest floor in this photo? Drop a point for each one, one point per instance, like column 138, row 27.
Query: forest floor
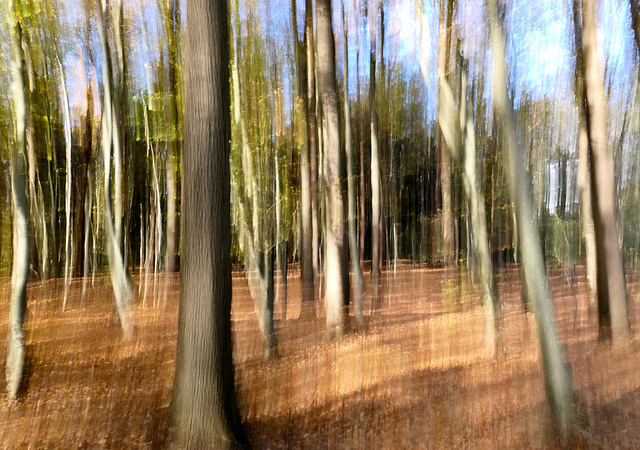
column 418, row 376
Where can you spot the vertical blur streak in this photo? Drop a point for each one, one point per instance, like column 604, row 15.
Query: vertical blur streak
column 20, row 267
column 558, row 383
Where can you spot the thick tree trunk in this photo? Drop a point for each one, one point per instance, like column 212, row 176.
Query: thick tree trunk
column 353, row 236
column 204, row 408
column 20, row 265
column 612, row 286
column 337, row 271
column 558, row 382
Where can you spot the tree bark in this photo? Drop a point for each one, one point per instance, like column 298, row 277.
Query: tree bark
column 312, row 120
column 122, row 286
column 375, row 161
column 306, row 254
column 557, row 380
column 20, row 265
column 353, row 236
column 337, row 271
column 584, row 178
column 612, row 286
column 204, row 408
column 448, row 234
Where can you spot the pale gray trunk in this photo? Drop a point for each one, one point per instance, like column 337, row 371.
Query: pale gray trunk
column 558, row 382
column 337, row 271
column 475, row 199
column 20, row 264
column 351, row 187
column 375, row 160
column 258, row 257
column 67, row 202
column 110, row 140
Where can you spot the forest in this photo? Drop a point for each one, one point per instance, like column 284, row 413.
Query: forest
column 320, row 224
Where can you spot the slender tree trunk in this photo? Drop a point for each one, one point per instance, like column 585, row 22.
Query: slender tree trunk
column 584, row 178
column 83, row 185
column 312, row 129
column 306, row 254
column 20, row 265
column 113, row 220
column 448, row 234
column 353, row 236
column 557, row 380
column 204, row 408
column 375, row 161
column 172, row 29
column 612, row 286
column 67, row 203
column 256, row 252
column 337, row 271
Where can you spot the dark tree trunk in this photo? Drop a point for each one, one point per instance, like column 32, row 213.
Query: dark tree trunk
column 85, row 157
column 204, row 408
column 612, row 286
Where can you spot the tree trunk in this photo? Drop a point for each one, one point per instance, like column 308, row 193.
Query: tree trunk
column 120, row 281
column 83, row 185
column 20, row 265
column 312, row 120
column 353, row 236
column 204, row 408
column 612, row 286
column 337, row 271
column 375, row 161
column 584, row 178
column 558, row 382
column 67, row 202
column 257, row 249
column 448, row 233
column 306, row 254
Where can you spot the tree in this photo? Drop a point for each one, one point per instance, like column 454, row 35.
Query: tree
column 204, row 408
column 337, row 271
column 444, row 154
column 584, row 178
column 255, row 214
column 20, row 207
column 353, row 236
column 376, row 189
column 557, row 380
column 112, row 142
column 611, row 283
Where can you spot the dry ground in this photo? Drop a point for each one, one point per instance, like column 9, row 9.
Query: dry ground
column 417, row 377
